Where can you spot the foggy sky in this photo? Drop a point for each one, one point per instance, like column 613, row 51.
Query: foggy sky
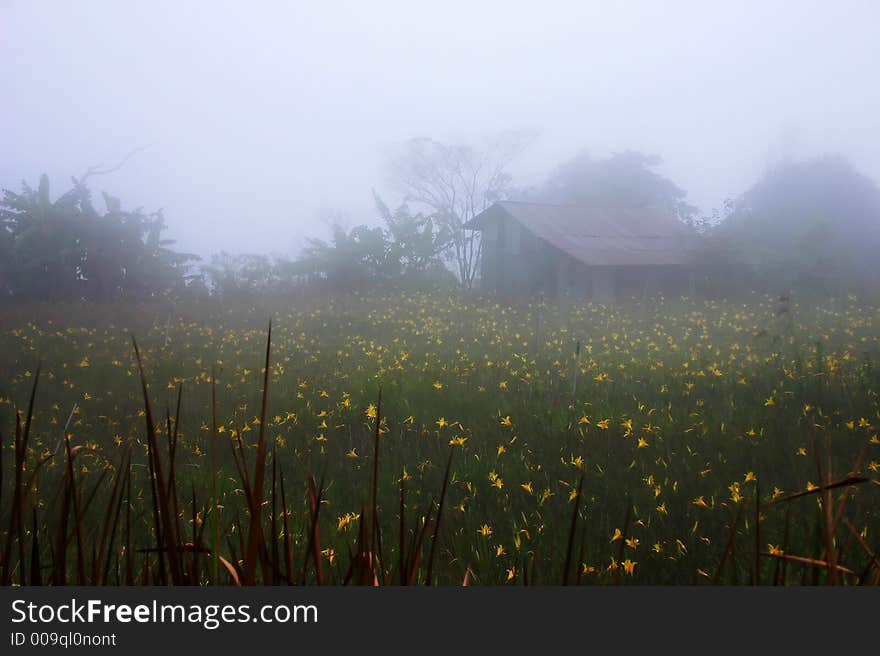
column 259, row 119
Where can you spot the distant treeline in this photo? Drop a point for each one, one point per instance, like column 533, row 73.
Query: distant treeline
column 811, row 225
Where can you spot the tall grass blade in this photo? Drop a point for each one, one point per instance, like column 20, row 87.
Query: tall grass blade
column 256, row 541
column 436, row 537
column 215, row 474
column 288, row 538
column 401, row 546
column 36, row 577
column 571, row 532
column 374, row 487
column 161, row 501
column 108, row 520
column 416, row 551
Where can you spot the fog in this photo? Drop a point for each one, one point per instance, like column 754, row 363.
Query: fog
column 257, row 120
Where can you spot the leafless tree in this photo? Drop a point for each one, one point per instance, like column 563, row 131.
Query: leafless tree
column 457, row 181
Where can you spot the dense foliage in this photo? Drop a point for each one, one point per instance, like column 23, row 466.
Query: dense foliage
column 813, row 224
column 67, row 250
column 625, row 179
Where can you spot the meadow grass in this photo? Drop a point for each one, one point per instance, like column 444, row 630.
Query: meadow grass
column 419, row 438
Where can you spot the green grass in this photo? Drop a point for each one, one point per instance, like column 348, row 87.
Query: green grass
column 723, row 442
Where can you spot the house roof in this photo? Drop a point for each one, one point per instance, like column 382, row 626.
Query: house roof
column 600, row 236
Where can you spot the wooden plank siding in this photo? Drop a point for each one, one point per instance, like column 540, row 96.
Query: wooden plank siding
column 516, row 262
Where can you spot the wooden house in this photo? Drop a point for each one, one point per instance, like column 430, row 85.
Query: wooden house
column 602, row 254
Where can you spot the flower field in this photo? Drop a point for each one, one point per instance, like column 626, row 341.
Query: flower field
column 438, row 439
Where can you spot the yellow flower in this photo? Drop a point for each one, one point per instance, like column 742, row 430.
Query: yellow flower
column 584, row 419
column 642, row 443
column 527, row 487
column 750, row 476
column 632, row 543
column 458, row 441
column 603, row 424
column 506, row 421
column 346, row 519
column 438, row 385
column 774, row 550
column 485, row 530
column 352, row 453
column 499, row 551
column 629, row 566
column 371, row 411
column 501, row 449
column 770, row 401
column 735, row 493
column 700, row 501
column 441, row 422
column 617, row 535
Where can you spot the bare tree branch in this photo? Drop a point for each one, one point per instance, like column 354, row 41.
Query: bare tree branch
column 97, row 170
column 457, row 182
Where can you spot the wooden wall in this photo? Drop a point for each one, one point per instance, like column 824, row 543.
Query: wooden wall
column 517, row 263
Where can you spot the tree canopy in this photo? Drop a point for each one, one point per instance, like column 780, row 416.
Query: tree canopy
column 813, row 222
column 407, row 251
column 455, row 182
column 68, row 250
column 625, row 179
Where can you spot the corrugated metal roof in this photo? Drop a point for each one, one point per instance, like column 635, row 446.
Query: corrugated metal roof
column 601, row 236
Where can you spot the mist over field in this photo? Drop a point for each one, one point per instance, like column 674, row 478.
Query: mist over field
column 487, row 293
column 259, row 121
